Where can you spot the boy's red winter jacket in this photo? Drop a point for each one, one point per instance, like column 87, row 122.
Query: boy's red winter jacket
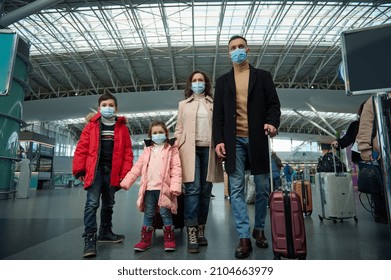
column 87, row 152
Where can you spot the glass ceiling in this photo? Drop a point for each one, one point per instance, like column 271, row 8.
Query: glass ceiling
column 203, row 23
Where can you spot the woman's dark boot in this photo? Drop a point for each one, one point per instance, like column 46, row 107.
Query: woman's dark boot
column 192, row 240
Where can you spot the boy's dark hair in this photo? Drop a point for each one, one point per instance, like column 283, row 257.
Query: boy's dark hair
column 107, row 96
column 237, row 37
column 208, row 85
column 158, row 123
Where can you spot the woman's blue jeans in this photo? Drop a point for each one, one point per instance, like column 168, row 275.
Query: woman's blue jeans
column 237, row 187
column 197, row 193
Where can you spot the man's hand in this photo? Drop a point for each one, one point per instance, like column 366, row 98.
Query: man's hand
column 220, row 151
column 269, row 128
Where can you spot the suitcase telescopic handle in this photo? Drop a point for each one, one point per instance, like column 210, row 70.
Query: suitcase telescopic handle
column 270, row 160
column 335, row 165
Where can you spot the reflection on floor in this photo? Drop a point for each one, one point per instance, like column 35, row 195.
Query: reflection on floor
column 49, row 224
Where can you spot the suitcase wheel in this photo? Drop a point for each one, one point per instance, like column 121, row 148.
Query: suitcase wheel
column 355, row 219
column 320, row 218
column 334, row 221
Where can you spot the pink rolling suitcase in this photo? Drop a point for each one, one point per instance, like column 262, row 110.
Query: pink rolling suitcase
column 287, row 223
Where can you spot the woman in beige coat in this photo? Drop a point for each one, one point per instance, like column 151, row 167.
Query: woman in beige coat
column 200, row 166
column 370, row 153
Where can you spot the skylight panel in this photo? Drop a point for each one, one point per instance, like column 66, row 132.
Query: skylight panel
column 91, row 28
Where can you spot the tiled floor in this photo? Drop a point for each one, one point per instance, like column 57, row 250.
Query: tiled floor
column 49, row 226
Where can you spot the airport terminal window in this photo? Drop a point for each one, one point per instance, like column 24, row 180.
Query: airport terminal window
column 286, row 145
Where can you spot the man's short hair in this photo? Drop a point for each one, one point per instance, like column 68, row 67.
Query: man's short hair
column 237, row 37
column 107, row 96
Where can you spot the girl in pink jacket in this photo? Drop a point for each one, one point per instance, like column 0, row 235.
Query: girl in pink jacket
column 161, row 182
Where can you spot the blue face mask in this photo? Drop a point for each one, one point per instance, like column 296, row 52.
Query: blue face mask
column 238, row 56
column 158, row 138
column 107, row 112
column 198, row 87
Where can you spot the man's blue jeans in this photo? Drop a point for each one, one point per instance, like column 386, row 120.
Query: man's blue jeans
column 238, row 200
column 100, row 187
column 151, row 199
column 197, row 193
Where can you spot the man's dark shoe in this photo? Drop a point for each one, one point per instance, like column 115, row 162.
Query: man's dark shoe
column 110, row 237
column 89, row 245
column 244, row 248
column 261, row 240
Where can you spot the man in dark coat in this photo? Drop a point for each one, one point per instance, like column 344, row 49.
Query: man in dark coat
column 246, row 107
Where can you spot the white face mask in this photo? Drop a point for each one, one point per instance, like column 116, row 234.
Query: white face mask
column 159, row 138
column 107, row 111
column 198, row 87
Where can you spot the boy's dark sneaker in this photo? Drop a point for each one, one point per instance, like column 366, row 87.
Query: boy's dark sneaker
column 110, row 237
column 89, row 245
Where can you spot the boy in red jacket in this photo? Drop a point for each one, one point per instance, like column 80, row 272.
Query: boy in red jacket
column 102, row 158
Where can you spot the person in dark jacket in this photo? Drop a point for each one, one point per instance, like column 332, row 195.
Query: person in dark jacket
column 246, row 108
column 350, row 137
column 102, row 158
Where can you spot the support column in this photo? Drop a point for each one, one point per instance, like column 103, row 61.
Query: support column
column 383, row 117
column 15, row 51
